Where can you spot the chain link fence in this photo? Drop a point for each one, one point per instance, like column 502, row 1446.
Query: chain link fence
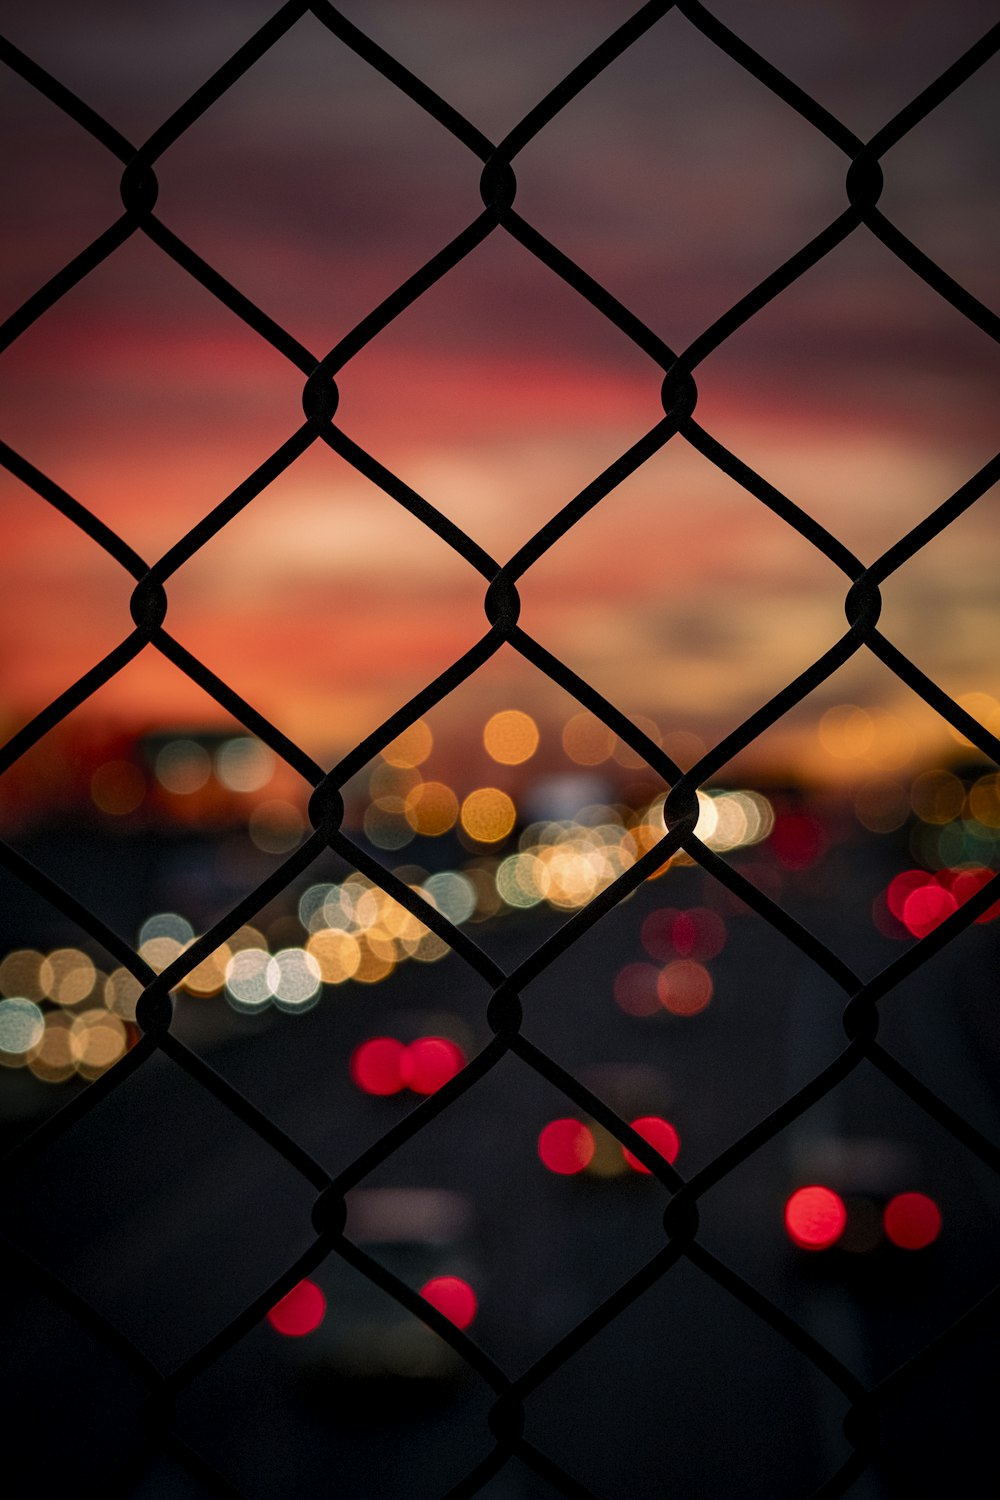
column 495, row 164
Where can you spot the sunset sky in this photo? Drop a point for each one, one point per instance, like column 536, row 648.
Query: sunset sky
column 315, row 187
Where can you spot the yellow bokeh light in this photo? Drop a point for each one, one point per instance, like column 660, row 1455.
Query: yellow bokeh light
column 366, row 902
column 385, row 823
column 276, row 826
column 411, row 748
column 67, row 976
column 640, row 838
column 518, row 880
column 984, row 801
column 981, row 706
column 846, row 731
column 121, row 993
column 488, row 815
column 608, row 1159
column 683, row 747
column 894, row 742
column 244, row 764
column 52, row 1060
column 587, row 741
column 183, row 767
column 20, row 974
column 431, row 808
column 567, row 878
column 882, row 806
column 488, row 900
column 97, row 1039
column 245, row 937
column 629, row 758
column 937, row 797
column 209, row 977
column 429, row 949
column 160, row 952
column 386, row 780
column 511, row 737
column 400, row 923
column 337, row 953
column 377, row 959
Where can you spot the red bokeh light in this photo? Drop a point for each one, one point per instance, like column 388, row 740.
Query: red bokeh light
column 884, row 921
column 660, row 1134
column 815, row 1217
column 566, row 1146
column 927, row 907
column 453, row 1297
column 698, row 933
column 912, row 1221
column 902, row 886
column 429, row 1062
column 965, row 883
column 921, row 901
column 376, row 1066
column 635, row 990
column 300, row 1311
column 797, row 840
column 685, row 987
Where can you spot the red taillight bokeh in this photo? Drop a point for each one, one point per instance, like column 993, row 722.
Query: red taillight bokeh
column 636, row 992
column 965, row 882
column 384, row 1066
column 927, row 907
column 684, row 987
column 797, row 840
column 429, row 1062
column 901, row 887
column 566, row 1146
column 697, row 933
column 376, row 1065
column 912, row 1221
column 660, row 1134
column 300, row 1311
column 815, row 1217
column 453, row 1298
column 921, row 901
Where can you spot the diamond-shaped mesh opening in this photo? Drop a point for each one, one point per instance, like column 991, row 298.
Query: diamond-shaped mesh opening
column 665, row 1419
column 149, row 441
column 45, row 554
column 950, row 153
column 627, row 585
column 238, row 179
column 54, row 224
column 850, row 385
column 272, row 566
column 188, row 1263
column 889, row 62
column 521, row 349
column 748, row 186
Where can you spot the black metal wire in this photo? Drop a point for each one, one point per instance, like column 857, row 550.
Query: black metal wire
column 149, row 605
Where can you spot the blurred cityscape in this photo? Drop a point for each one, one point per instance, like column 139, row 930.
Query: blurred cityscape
column 337, row 1011
column 175, row 826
